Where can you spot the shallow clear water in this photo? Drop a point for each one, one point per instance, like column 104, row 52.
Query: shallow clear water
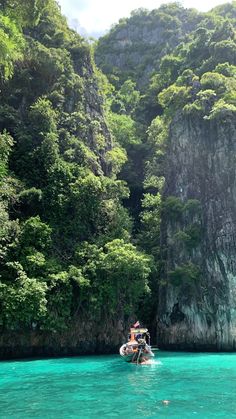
column 197, row 386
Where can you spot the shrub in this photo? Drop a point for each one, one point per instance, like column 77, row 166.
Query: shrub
column 187, row 273
column 173, row 207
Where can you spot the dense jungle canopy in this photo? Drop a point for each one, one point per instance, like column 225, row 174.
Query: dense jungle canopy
column 83, row 158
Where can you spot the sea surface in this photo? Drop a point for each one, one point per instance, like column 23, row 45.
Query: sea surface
column 176, row 385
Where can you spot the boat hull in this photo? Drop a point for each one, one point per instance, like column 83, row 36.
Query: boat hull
column 135, row 354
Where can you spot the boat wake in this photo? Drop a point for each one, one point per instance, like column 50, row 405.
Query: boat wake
column 151, row 362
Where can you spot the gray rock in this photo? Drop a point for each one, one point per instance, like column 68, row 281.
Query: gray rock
column 201, row 165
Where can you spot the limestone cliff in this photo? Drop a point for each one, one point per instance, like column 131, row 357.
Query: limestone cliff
column 135, row 46
column 65, row 255
column 197, row 299
column 81, row 338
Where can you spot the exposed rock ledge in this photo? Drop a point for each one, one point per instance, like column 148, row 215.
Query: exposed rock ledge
column 82, row 338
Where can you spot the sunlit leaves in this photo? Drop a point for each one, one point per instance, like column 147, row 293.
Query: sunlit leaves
column 11, row 46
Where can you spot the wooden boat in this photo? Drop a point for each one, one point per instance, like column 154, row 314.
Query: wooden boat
column 137, row 349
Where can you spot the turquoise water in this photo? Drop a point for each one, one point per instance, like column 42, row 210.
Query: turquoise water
column 197, row 386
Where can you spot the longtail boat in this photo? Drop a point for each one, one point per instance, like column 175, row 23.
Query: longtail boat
column 137, row 349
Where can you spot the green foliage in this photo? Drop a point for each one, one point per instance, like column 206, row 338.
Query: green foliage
column 221, row 110
column 225, row 51
column 123, row 128
column 158, row 132
column 9, row 231
column 30, row 201
column 6, row 144
column 35, row 234
column 174, row 97
column 25, row 13
column 181, row 237
column 208, row 52
column 214, row 81
column 63, row 187
column 169, row 68
column 11, row 46
column 117, row 157
column 191, row 236
column 59, row 297
column 173, row 207
column 65, row 225
column 129, row 96
column 185, row 68
column 192, row 206
column 23, row 302
column 155, row 163
column 186, row 274
column 117, row 273
column 151, row 220
column 133, row 56
column 125, row 101
column 226, row 69
column 42, row 117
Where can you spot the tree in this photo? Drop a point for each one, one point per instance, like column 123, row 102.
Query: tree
column 11, row 46
column 6, row 144
column 124, row 129
column 118, row 274
column 127, row 98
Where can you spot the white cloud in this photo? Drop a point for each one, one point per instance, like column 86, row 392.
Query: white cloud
column 99, row 15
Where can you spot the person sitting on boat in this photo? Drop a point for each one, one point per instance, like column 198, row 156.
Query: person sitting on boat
column 141, row 343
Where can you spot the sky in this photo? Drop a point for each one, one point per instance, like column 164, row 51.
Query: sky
column 95, row 17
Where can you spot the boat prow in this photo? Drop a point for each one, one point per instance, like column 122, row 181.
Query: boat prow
column 137, row 349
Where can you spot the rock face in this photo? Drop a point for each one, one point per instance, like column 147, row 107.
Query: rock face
column 129, row 48
column 82, row 338
column 200, row 313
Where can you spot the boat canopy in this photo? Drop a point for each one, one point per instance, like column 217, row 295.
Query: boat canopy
column 138, row 330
